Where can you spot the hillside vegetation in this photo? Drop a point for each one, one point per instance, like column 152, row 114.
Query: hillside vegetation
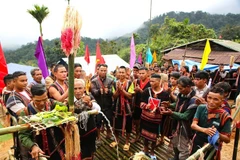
column 166, row 30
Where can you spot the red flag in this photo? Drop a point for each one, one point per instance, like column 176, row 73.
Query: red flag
column 3, row 68
column 87, row 55
column 99, row 57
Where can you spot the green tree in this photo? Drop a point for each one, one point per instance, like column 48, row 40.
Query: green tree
column 81, row 50
column 173, row 33
column 230, row 32
column 54, row 53
column 39, row 13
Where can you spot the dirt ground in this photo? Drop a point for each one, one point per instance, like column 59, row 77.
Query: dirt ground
column 227, row 150
column 5, row 146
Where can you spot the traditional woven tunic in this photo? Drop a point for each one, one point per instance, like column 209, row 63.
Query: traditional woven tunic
column 150, row 121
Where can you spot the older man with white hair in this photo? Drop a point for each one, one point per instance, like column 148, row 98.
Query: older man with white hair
column 84, row 102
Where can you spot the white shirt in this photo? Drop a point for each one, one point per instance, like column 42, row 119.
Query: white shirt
column 200, row 92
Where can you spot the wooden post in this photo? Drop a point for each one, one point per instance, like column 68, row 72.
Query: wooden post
column 235, row 148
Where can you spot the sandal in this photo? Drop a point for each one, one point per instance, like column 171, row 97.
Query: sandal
column 126, row 147
column 113, row 144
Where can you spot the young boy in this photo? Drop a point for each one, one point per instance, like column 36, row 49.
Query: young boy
column 9, row 85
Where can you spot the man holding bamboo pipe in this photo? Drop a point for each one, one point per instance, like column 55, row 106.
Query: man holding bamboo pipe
column 211, row 121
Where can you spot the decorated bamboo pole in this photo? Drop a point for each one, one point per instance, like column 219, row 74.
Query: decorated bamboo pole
column 70, row 40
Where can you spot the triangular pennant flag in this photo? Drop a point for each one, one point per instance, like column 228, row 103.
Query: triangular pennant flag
column 139, row 60
column 132, row 53
column 149, row 57
column 206, row 52
column 99, row 57
column 87, row 55
column 154, row 56
column 40, row 56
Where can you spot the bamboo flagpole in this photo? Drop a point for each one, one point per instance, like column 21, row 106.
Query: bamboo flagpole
column 70, row 40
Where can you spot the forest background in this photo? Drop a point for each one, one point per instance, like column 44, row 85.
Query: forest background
column 162, row 32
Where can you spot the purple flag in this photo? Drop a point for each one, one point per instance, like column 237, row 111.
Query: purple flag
column 132, row 53
column 139, row 60
column 40, row 56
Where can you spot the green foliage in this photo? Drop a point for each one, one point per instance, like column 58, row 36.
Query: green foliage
column 237, row 40
column 39, row 13
column 81, row 50
column 173, row 33
column 166, row 31
column 52, row 51
column 230, row 32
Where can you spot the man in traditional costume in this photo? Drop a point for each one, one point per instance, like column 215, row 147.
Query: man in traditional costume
column 139, row 86
column 59, row 89
column 88, row 132
column 37, row 77
column 166, row 127
column 211, row 120
column 183, row 113
column 101, row 89
column 122, row 120
column 20, row 97
column 151, row 117
column 50, row 141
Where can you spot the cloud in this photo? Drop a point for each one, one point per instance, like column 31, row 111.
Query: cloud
column 101, row 19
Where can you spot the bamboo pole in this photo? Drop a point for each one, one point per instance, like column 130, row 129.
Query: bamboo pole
column 71, row 82
column 13, row 129
column 21, row 127
column 197, row 154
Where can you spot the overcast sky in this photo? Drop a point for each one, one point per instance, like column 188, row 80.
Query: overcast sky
column 101, row 18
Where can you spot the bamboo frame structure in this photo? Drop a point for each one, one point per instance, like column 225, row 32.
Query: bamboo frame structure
column 21, row 127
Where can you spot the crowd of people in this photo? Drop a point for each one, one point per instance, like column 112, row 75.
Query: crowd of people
column 155, row 103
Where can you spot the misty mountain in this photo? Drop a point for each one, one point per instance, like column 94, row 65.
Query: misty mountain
column 211, row 21
column 214, row 21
